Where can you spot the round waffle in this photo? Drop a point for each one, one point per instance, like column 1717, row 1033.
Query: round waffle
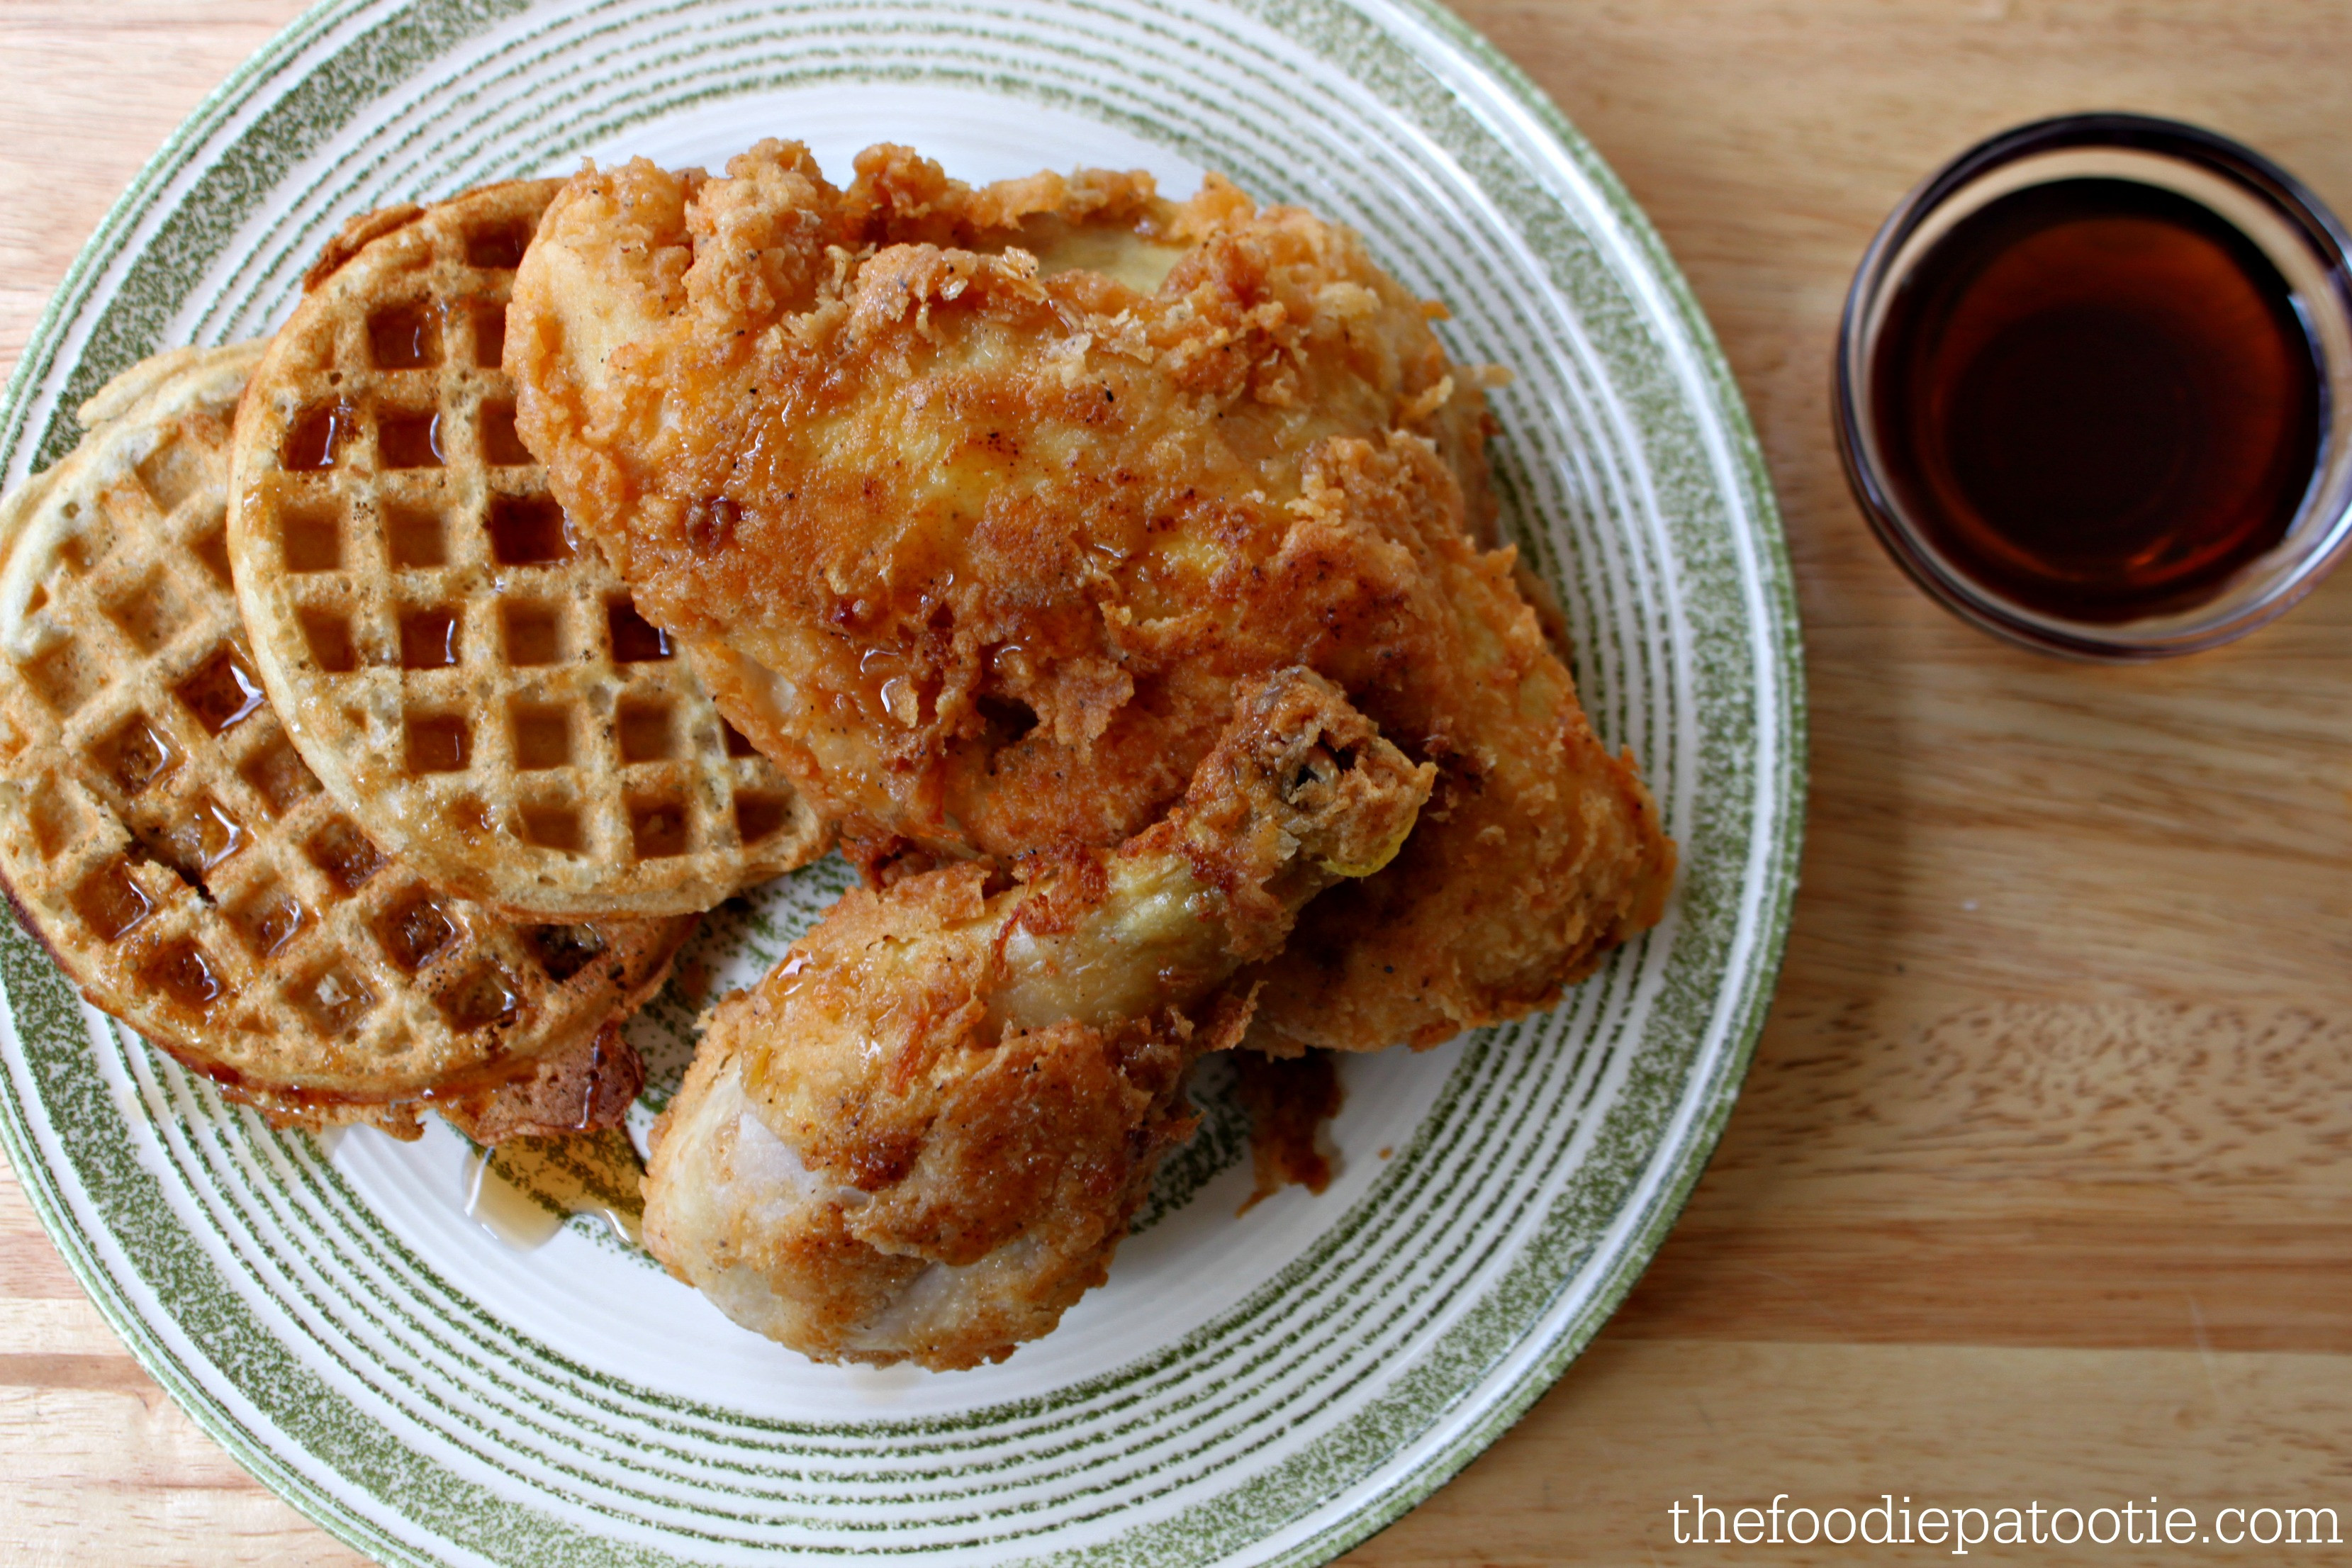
column 160, row 834
column 463, row 670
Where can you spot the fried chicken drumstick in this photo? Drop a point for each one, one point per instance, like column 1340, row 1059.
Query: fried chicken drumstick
column 974, row 508
column 922, row 1136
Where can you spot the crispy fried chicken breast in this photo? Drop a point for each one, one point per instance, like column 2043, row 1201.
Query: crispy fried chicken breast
column 975, row 506
column 922, row 1136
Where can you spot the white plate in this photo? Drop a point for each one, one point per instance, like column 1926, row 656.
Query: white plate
column 1266, row 1389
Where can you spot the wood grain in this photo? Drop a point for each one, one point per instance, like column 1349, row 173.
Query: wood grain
column 2039, row 1187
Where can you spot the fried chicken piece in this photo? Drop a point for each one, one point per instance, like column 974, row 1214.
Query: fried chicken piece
column 1289, row 1101
column 923, row 1134
column 975, row 506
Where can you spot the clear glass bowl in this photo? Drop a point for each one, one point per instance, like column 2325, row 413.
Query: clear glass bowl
column 2271, row 209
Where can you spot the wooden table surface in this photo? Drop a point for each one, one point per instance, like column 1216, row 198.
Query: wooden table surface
column 2039, row 1190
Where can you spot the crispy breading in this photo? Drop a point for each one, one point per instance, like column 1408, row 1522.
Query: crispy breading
column 923, row 1134
column 975, row 505
column 1288, row 1100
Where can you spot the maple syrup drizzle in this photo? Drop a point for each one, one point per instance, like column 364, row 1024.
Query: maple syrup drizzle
column 428, row 640
column 410, row 441
column 407, row 337
column 529, row 531
column 522, row 1191
column 186, row 976
column 315, row 437
column 635, row 640
column 223, row 693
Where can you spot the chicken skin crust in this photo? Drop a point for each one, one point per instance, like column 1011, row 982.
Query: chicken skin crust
column 974, row 506
column 922, row 1136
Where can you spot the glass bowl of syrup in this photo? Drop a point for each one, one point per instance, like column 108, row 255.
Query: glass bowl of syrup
column 2094, row 387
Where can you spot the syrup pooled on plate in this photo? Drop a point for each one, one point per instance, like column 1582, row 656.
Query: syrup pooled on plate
column 2099, row 398
column 523, row 1190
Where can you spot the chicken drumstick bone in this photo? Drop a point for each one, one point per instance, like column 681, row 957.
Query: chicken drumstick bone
column 923, row 1134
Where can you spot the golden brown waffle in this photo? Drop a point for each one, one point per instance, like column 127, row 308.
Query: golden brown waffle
column 160, row 834
column 463, row 670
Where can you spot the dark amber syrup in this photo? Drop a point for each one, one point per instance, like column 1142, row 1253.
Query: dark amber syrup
column 2097, row 399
